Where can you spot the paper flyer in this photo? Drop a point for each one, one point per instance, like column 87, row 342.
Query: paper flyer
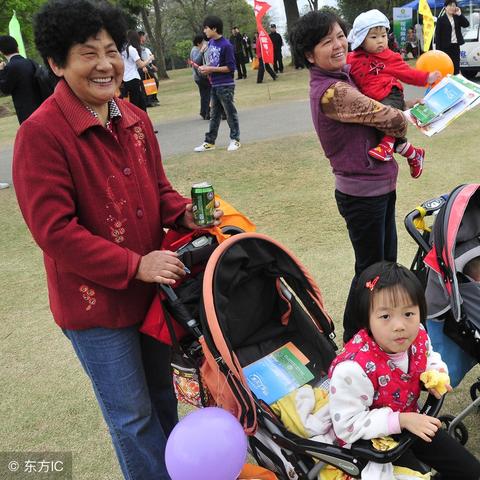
column 277, row 374
column 470, row 100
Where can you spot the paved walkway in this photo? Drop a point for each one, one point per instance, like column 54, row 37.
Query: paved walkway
column 261, row 123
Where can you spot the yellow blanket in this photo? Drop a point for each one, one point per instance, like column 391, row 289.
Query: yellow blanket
column 304, row 412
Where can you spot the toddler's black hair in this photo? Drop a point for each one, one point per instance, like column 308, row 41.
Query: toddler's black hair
column 392, row 277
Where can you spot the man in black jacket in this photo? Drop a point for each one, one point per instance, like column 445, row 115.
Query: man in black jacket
column 16, row 79
column 448, row 32
column 241, row 55
column 277, row 42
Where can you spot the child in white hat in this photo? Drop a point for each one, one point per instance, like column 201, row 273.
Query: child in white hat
column 377, row 72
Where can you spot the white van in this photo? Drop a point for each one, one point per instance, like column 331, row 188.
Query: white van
column 470, row 50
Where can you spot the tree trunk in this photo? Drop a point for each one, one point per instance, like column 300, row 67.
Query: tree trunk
column 291, row 12
column 156, row 38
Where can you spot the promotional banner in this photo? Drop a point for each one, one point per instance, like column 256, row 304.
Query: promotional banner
column 261, row 8
column 14, row 31
column 428, row 24
column 402, row 21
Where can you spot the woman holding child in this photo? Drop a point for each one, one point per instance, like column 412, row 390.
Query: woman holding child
column 386, row 299
column 348, row 124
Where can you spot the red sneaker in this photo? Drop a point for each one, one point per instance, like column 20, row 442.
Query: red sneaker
column 416, row 163
column 382, row 152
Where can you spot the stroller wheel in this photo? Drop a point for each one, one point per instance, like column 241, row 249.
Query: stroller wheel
column 475, row 390
column 460, row 433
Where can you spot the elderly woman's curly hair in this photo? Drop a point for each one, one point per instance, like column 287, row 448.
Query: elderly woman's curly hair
column 309, row 30
column 60, row 24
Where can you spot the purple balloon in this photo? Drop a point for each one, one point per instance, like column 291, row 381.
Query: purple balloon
column 207, row 444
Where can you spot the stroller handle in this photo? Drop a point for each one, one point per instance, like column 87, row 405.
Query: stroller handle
column 427, row 209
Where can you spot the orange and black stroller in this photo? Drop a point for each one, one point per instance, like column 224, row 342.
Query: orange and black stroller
column 253, row 297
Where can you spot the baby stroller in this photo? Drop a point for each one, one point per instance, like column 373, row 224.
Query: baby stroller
column 254, row 297
column 453, row 300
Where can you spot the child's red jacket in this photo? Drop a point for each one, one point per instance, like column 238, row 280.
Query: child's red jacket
column 376, row 74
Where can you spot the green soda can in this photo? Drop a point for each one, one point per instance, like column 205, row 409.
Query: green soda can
column 203, row 204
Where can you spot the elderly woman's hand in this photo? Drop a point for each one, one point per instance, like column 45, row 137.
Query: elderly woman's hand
column 160, row 266
column 188, row 222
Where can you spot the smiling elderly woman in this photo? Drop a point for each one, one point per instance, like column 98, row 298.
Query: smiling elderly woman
column 92, row 189
column 348, row 125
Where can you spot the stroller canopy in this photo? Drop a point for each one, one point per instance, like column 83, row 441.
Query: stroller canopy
column 456, row 241
column 256, row 298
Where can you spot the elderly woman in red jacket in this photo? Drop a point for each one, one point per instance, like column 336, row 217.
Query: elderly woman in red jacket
column 93, row 192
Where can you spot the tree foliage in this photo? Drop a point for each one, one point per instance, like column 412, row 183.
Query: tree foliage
column 25, row 11
column 352, row 8
column 168, row 23
column 235, row 13
column 182, row 48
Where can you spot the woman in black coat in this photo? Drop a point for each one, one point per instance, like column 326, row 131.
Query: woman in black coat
column 448, row 32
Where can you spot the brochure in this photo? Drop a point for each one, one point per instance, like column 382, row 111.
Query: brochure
column 469, row 100
column 277, row 374
column 437, row 103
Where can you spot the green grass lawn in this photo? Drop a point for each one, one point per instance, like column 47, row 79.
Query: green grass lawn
column 285, row 186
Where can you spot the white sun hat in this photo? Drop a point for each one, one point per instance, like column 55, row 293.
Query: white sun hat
column 363, row 23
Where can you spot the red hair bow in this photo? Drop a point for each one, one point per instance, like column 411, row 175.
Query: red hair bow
column 371, row 284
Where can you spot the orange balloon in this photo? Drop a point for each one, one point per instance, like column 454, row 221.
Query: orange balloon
column 434, row 60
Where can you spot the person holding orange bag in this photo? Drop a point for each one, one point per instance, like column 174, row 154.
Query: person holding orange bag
column 132, row 61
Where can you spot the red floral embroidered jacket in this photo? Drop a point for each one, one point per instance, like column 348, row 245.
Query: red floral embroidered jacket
column 95, row 202
column 376, row 74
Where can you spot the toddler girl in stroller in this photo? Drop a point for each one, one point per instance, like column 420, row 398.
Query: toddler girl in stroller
column 375, row 382
column 472, row 269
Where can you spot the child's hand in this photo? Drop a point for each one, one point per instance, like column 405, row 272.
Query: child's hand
column 420, row 425
column 411, row 103
column 437, row 383
column 433, row 76
column 438, row 394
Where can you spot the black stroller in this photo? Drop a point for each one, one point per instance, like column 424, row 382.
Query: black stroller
column 453, row 299
column 254, row 296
